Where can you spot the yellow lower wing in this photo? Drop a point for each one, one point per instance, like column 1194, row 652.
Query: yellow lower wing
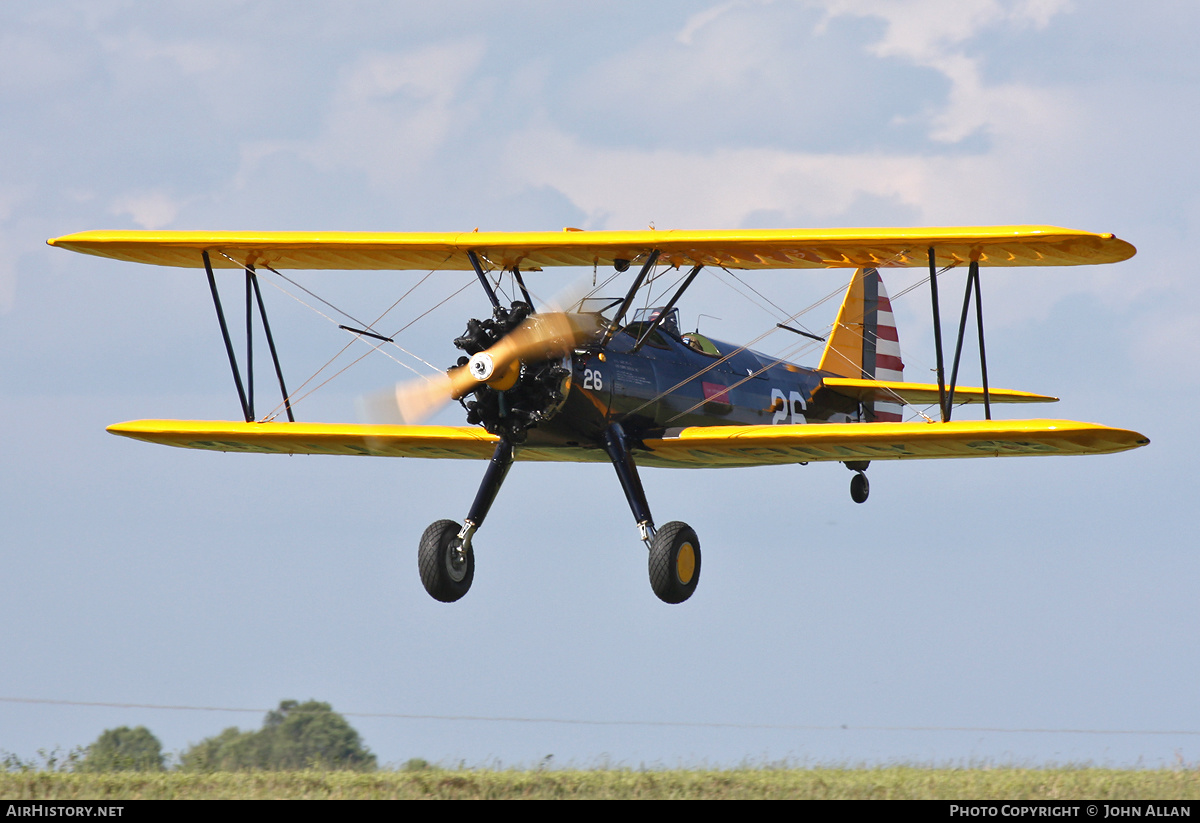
column 712, row 447
column 694, row 447
column 431, row 442
column 444, row 442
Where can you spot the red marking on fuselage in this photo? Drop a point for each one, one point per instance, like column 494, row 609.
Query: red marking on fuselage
column 716, row 392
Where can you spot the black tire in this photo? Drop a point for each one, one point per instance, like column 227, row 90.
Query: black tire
column 674, row 562
column 443, row 578
column 860, row 489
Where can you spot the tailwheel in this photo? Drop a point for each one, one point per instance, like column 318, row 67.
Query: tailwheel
column 447, row 568
column 674, row 562
column 859, row 488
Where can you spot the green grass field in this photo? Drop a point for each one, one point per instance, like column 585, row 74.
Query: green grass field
column 891, row 783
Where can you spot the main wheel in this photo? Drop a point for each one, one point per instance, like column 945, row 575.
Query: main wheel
column 674, row 562
column 446, row 570
column 859, row 488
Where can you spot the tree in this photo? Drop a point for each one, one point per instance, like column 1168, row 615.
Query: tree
column 295, row 736
column 312, row 735
column 230, row 751
column 124, row 750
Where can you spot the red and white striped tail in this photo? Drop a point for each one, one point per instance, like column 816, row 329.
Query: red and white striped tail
column 864, row 343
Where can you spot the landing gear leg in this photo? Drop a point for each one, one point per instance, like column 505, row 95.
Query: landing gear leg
column 674, row 561
column 618, row 451
column 446, row 558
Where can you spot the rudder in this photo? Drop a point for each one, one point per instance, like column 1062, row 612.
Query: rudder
column 864, row 343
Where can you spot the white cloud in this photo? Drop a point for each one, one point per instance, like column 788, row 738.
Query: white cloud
column 1039, row 155
column 923, row 30
column 390, row 114
column 1029, row 130
column 731, row 55
column 932, row 33
column 189, row 57
column 149, row 209
column 433, row 74
column 709, row 16
column 627, row 188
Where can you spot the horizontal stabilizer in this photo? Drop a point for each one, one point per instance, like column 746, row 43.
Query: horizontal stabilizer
column 921, row 394
column 715, row 446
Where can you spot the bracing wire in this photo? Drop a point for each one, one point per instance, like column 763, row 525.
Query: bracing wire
column 294, row 397
column 375, row 347
column 791, row 352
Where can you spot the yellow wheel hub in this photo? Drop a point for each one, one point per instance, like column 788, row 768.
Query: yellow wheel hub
column 685, row 563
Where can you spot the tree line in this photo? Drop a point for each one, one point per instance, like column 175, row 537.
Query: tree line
column 295, row 736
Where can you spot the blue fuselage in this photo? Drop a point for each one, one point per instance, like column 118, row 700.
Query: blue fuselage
column 674, row 381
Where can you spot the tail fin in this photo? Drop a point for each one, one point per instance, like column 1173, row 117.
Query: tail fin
column 864, row 343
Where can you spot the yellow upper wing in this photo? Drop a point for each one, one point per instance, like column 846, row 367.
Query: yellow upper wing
column 758, row 249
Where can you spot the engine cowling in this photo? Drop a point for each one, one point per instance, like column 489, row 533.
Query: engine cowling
column 511, row 400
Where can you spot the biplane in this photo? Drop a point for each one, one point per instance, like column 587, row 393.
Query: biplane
column 601, row 381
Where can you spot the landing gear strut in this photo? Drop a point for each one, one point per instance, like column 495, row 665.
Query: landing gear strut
column 446, row 558
column 674, row 549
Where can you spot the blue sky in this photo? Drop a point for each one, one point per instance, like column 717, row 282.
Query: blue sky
column 967, row 603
